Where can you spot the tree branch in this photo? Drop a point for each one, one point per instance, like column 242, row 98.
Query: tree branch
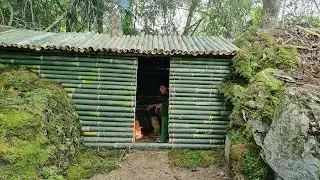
column 314, row 1
column 56, row 21
column 11, row 14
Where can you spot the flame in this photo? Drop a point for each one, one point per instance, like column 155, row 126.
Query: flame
column 137, row 130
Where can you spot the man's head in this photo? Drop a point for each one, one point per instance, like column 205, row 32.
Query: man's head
column 163, row 88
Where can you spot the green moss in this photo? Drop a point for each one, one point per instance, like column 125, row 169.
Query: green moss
column 191, row 158
column 91, row 161
column 38, row 126
column 254, row 168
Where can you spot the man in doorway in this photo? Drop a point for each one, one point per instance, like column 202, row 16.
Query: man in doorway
column 162, row 110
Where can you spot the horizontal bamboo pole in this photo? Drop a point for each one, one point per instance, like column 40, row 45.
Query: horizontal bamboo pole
column 104, row 102
column 100, row 91
column 102, row 97
column 94, row 78
column 106, row 114
column 199, row 126
column 200, row 86
column 200, row 108
column 194, row 95
column 199, row 63
column 196, row 136
column 106, row 139
column 82, row 73
column 111, row 60
column 198, row 117
column 108, row 134
column 195, row 76
column 198, row 112
column 193, row 90
column 192, row 103
column 70, row 64
column 107, row 129
column 197, row 131
column 73, row 81
column 196, row 60
column 221, row 122
column 107, row 119
column 180, row 100
column 196, row 141
column 104, row 108
column 107, row 124
column 153, row 146
column 191, row 70
column 197, row 82
column 99, row 86
column 82, row 69
column 200, row 66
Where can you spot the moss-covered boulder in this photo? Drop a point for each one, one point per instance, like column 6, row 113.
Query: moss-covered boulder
column 290, row 145
column 39, row 128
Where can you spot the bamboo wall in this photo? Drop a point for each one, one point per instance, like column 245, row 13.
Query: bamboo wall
column 198, row 115
column 102, row 89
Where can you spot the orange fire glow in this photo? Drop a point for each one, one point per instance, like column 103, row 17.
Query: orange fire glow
column 137, row 128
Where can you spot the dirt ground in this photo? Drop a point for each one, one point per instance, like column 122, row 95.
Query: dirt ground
column 154, row 165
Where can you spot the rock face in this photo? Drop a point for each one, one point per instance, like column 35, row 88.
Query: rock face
column 291, row 144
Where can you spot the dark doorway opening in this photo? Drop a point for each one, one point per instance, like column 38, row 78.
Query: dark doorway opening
column 152, row 72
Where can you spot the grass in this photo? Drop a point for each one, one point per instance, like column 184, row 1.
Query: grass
column 186, row 158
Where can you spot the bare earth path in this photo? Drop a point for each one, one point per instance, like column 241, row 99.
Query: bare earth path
column 153, row 165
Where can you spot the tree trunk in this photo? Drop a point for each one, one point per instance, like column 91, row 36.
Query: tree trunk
column 271, row 9
column 193, row 6
column 70, row 16
column 114, row 18
column 98, row 15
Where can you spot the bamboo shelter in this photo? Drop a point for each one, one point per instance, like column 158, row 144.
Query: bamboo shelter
column 99, row 73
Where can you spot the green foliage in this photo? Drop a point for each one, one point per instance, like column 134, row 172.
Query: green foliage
column 191, row 158
column 254, row 168
column 38, row 126
column 255, row 95
column 91, row 161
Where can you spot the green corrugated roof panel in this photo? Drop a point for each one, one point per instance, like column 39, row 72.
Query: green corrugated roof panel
column 142, row 44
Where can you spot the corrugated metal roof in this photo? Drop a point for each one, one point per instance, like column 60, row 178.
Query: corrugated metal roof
column 143, row 44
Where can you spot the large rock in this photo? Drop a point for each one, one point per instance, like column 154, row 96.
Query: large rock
column 289, row 145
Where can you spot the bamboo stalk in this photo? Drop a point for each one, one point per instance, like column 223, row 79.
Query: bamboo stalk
column 104, row 108
column 196, row 136
column 200, row 86
column 106, row 129
column 94, row 78
column 106, row 139
column 102, row 97
column 222, row 121
column 99, row 91
column 70, row 64
column 199, row 126
column 82, row 69
column 197, row 131
column 208, row 117
column 194, row 90
column 108, row 134
column 104, row 103
column 80, row 73
column 153, row 146
column 198, row 112
column 200, row 66
column 107, row 119
column 193, row 95
column 205, row 75
column 174, row 107
column 106, row 114
column 98, row 86
column 196, row 141
column 197, row 82
column 107, row 124
column 181, row 100
column 74, row 81
column 175, row 103
column 191, row 70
